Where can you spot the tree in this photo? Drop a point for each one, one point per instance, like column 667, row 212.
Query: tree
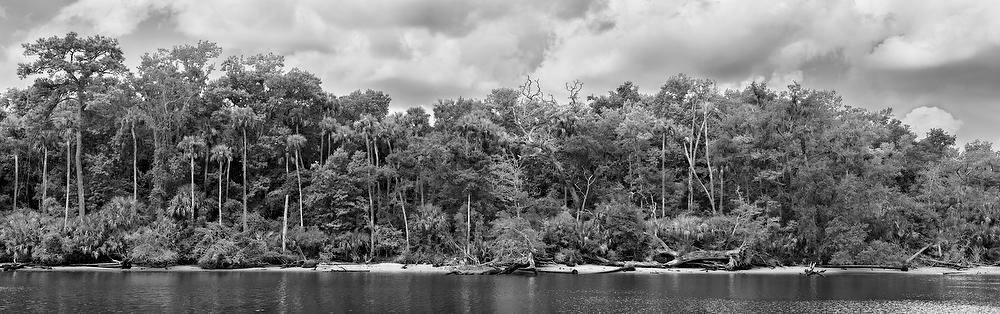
column 170, row 83
column 128, row 120
column 190, row 145
column 245, row 118
column 73, row 65
column 296, row 141
column 222, row 154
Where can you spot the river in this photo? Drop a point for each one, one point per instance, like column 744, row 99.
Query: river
column 240, row 292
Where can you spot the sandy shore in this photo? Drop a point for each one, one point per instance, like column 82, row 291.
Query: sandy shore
column 550, row 268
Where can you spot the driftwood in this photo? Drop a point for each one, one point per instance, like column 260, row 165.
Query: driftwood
column 334, row 269
column 560, row 270
column 13, row 266
column 616, row 270
column 705, row 258
column 811, row 271
column 901, row 268
column 512, row 269
column 115, row 265
column 524, row 267
column 594, row 259
column 921, row 251
column 935, row 262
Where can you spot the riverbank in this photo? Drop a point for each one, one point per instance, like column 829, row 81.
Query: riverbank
column 548, row 268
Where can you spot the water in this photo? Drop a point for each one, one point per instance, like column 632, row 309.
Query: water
column 240, row 292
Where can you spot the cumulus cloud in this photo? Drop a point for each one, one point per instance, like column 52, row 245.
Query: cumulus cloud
column 876, row 53
column 923, row 119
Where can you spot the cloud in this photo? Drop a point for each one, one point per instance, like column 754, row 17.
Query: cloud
column 923, row 119
column 876, row 53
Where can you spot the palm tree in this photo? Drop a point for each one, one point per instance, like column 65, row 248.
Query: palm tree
column 366, row 126
column 11, row 129
column 222, row 154
column 45, row 138
column 296, row 141
column 190, row 146
column 127, row 120
column 245, row 118
column 68, row 135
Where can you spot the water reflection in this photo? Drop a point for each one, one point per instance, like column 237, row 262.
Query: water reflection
column 616, row 293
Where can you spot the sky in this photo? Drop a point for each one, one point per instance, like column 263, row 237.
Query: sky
column 935, row 63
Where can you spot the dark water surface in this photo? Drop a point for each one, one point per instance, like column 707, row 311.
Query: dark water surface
column 241, row 292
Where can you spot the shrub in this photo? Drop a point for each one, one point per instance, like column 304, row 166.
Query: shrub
column 881, row 252
column 21, row 231
column 309, row 241
column 51, row 251
column 844, row 240
column 225, row 247
column 152, row 246
column 567, row 256
column 388, row 241
column 350, row 246
column 240, row 252
column 623, row 231
column 560, row 232
column 513, row 240
column 430, row 231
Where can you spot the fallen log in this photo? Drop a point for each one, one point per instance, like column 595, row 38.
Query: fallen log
column 597, row 260
column 698, row 258
column 900, row 268
column 921, row 251
column 935, row 262
column 639, row 264
column 349, row 270
column 341, row 269
column 13, row 266
column 516, row 267
column 811, row 271
column 103, row 265
column 616, row 270
column 557, row 270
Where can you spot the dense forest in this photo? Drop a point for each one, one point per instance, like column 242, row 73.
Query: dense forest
column 191, row 158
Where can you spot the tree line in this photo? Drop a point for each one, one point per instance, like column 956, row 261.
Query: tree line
column 188, row 158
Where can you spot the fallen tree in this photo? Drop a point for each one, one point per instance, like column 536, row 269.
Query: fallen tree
column 708, row 259
column 900, row 268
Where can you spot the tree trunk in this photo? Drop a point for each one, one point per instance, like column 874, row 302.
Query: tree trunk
column 708, row 164
column 406, row 224
column 722, row 190
column 69, row 149
column 157, row 193
column 371, row 222
column 229, row 165
column 135, row 166
column 244, row 179
column 192, row 187
column 371, row 201
column 45, row 177
column 220, row 192
column 663, row 174
column 79, row 155
column 322, row 136
column 284, row 225
column 204, row 170
column 284, row 215
column 16, row 168
column 468, row 226
column 298, row 178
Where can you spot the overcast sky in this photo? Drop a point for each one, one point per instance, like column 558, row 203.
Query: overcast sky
column 936, row 63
